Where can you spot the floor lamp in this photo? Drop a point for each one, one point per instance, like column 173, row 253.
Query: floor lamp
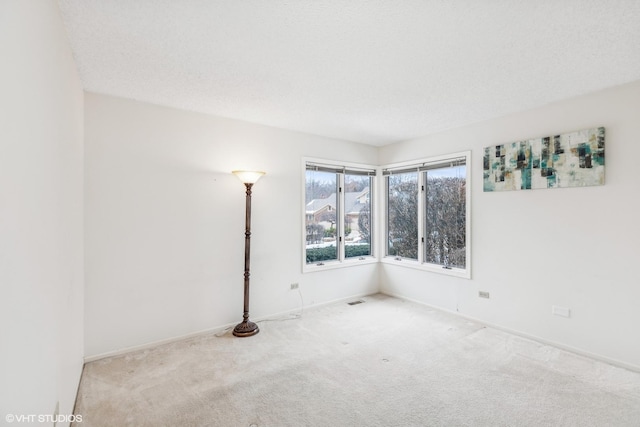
column 247, row 328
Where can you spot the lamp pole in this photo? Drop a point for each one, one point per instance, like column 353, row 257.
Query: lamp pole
column 247, row 328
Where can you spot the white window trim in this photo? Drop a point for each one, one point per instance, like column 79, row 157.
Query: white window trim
column 382, row 220
column 341, row 262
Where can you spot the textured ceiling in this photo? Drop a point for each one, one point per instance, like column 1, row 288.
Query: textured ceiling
column 375, row 71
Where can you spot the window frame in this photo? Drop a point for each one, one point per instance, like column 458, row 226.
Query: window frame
column 341, row 169
column 425, row 164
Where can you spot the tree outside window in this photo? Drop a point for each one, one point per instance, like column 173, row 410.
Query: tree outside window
column 427, row 213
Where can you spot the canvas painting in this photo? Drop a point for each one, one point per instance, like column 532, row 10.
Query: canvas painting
column 570, row 160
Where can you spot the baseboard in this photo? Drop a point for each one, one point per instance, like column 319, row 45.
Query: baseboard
column 610, row 361
column 152, row 344
column 218, row 329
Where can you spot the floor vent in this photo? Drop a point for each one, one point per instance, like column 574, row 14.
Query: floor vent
column 355, row 302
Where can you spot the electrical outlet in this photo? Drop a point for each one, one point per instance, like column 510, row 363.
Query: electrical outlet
column 482, row 294
column 294, row 286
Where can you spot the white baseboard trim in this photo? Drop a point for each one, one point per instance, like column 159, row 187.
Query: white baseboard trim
column 610, row 361
column 152, row 344
column 218, row 329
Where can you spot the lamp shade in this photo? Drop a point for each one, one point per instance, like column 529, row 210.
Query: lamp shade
column 248, row 177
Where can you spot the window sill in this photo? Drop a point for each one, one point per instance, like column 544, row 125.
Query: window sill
column 330, row 265
column 410, row 263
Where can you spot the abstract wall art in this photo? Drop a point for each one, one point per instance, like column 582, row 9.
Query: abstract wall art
column 570, row 160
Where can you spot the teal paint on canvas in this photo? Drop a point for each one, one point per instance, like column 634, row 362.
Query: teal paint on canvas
column 574, row 159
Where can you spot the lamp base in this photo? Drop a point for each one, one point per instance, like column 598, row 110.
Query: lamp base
column 245, row 329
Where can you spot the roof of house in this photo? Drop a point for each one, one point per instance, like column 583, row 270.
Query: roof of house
column 351, row 200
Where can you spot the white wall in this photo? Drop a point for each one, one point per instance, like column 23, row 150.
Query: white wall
column 575, row 247
column 41, row 244
column 165, row 223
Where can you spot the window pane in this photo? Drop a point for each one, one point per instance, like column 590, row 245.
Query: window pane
column 320, row 216
column 357, row 215
column 445, row 228
column 402, row 215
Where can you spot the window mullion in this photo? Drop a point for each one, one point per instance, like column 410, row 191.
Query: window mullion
column 421, row 215
column 373, row 185
column 385, row 217
column 340, row 218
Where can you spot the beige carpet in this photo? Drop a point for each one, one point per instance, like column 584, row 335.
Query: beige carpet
column 385, row 362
